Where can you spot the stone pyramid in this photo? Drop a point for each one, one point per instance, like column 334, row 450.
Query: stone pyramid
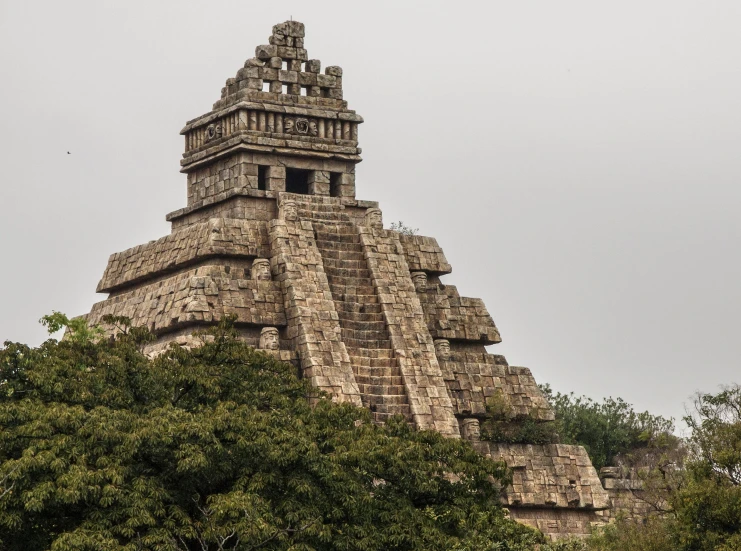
column 273, row 233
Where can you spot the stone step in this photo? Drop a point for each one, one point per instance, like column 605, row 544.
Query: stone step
column 366, row 366
column 387, row 396
column 383, row 372
column 337, row 236
column 345, row 282
column 368, row 352
column 351, row 293
column 307, row 214
column 363, row 335
column 331, row 230
column 360, row 317
column 358, row 307
column 334, row 254
column 393, row 409
column 346, row 271
column 343, row 263
column 339, row 246
column 367, row 343
column 379, row 380
column 363, row 325
column 382, row 418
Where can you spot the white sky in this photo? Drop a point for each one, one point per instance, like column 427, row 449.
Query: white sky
column 578, row 161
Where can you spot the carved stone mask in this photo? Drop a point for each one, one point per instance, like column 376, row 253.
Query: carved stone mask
column 420, row 281
column 313, row 130
column 269, row 339
column 213, row 132
column 374, row 218
column 261, row 269
column 471, row 429
column 442, row 349
column 302, row 126
column 288, row 126
column 289, row 211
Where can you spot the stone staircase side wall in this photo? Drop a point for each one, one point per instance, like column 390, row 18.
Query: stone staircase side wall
column 430, row 402
column 313, row 323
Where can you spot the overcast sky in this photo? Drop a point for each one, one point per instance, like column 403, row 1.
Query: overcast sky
column 578, row 161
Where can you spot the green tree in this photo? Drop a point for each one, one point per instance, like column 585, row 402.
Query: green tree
column 608, row 429
column 708, row 506
column 220, row 447
column 704, row 511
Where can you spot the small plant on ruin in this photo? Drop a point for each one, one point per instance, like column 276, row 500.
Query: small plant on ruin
column 403, row 229
column 501, row 425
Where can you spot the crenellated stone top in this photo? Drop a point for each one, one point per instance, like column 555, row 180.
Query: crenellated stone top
column 280, row 101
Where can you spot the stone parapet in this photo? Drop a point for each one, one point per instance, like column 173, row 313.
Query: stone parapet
column 215, row 237
column 423, row 254
column 551, row 475
column 205, row 294
column 412, row 342
column 450, row 316
column 310, row 312
column 474, row 379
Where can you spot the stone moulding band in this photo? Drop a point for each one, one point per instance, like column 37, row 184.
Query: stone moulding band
column 236, row 144
column 270, row 107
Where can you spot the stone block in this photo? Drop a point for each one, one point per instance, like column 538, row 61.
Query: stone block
column 325, row 80
column 286, row 52
column 276, row 87
column 307, row 79
column 334, row 71
column 288, row 76
column 265, row 52
column 313, row 66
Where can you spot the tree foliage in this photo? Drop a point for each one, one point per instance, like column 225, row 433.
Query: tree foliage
column 704, row 511
column 220, row 447
column 608, row 429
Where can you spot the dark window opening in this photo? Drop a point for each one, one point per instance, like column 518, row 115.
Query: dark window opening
column 262, row 177
column 297, row 181
column 335, row 178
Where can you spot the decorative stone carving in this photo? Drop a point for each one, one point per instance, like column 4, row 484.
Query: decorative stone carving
column 269, row 339
column 442, row 349
column 302, row 126
column 420, row 281
column 213, row 132
column 374, row 218
column 289, row 211
column 471, row 429
column 261, row 269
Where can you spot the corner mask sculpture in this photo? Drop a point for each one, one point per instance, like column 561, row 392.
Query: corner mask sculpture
column 269, row 339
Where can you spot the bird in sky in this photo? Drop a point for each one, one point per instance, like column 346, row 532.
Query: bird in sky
column 68, row 153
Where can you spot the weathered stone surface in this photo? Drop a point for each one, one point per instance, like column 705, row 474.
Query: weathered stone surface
column 472, row 379
column 450, row 316
column 197, row 295
column 273, row 233
column 218, row 236
column 554, row 475
column 423, row 254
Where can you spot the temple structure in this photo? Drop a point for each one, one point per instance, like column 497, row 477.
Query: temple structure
column 274, row 234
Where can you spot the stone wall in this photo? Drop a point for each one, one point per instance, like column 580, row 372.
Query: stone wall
column 273, row 233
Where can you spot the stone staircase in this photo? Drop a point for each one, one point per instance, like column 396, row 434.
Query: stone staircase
column 362, row 324
column 361, row 321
